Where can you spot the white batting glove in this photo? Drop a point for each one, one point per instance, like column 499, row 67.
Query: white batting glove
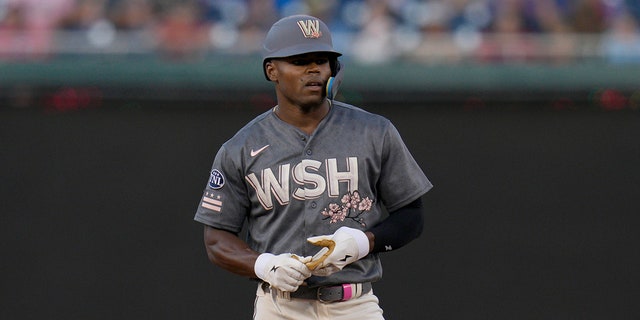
column 350, row 245
column 282, row 272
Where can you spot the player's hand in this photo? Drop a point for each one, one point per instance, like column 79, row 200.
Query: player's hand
column 282, row 272
column 349, row 245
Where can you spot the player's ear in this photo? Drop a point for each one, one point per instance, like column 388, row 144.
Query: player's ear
column 270, row 71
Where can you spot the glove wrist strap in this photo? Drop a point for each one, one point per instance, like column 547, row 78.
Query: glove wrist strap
column 260, row 265
column 361, row 240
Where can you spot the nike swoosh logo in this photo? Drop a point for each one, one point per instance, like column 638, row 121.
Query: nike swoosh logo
column 256, row 152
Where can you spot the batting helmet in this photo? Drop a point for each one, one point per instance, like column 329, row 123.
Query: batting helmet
column 295, row 35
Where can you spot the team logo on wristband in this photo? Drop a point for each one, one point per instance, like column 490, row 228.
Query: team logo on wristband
column 216, row 180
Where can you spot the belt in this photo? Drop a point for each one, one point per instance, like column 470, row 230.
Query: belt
column 341, row 292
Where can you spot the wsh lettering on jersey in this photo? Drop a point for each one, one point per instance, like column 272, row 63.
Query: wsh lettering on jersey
column 305, row 180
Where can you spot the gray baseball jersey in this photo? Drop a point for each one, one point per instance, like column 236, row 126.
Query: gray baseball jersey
column 289, row 186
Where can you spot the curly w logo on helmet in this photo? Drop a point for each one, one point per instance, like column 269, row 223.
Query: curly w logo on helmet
column 310, row 28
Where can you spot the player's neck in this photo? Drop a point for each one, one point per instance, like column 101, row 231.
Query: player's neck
column 305, row 119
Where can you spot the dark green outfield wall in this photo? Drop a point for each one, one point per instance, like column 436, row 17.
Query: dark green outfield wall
column 231, row 72
column 226, row 81
column 534, row 215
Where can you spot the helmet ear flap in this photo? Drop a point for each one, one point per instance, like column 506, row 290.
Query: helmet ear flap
column 334, row 81
column 335, row 66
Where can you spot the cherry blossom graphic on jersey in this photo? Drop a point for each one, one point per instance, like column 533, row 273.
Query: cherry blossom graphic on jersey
column 352, row 207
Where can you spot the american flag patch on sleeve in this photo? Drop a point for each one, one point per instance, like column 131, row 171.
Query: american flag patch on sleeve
column 211, row 202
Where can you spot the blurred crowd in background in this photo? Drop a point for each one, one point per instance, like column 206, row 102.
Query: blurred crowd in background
column 367, row 31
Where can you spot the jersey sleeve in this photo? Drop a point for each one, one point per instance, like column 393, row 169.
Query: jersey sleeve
column 224, row 202
column 401, row 178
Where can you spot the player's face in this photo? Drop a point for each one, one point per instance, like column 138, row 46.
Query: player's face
column 301, row 79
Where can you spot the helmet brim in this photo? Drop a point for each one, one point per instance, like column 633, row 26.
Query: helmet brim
column 302, row 49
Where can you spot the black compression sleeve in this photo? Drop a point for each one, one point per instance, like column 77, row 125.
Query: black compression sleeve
column 401, row 227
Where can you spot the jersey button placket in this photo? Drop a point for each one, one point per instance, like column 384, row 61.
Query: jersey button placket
column 308, row 152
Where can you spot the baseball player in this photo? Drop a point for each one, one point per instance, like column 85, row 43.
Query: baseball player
column 322, row 186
